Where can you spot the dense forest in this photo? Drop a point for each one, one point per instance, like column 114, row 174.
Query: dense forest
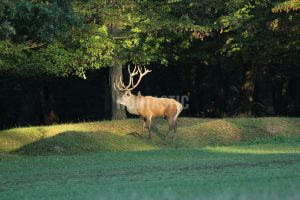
column 58, row 58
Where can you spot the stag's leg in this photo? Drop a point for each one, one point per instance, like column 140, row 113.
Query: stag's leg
column 143, row 126
column 171, row 127
column 148, row 122
column 174, row 128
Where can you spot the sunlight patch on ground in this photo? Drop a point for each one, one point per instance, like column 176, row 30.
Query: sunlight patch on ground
column 257, row 149
column 125, row 135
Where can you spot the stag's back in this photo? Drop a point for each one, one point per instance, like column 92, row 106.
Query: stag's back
column 158, row 107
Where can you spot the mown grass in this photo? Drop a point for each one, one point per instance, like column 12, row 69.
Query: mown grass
column 243, row 158
column 157, row 174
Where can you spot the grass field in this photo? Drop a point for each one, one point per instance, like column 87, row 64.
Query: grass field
column 242, row 158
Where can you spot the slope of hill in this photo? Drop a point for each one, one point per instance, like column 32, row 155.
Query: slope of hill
column 123, row 135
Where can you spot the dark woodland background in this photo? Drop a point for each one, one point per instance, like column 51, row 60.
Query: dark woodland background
column 233, row 58
column 213, row 91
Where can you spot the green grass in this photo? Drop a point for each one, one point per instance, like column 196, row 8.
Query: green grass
column 117, row 135
column 242, row 158
column 158, row 174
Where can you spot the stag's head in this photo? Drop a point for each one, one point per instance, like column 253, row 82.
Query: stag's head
column 126, row 96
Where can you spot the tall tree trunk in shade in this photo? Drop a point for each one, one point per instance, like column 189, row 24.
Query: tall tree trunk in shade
column 117, row 111
column 107, row 95
column 218, row 87
column 263, row 91
column 115, row 72
column 25, row 116
column 247, row 96
column 193, row 90
column 48, row 106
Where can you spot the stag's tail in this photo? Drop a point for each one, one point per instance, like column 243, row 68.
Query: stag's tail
column 179, row 108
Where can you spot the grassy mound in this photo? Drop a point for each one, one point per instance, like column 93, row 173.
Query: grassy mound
column 122, row 136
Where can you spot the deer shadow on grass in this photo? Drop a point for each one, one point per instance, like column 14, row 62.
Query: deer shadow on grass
column 154, row 131
column 73, row 142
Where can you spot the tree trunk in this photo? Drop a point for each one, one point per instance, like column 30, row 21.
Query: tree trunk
column 193, row 90
column 107, row 99
column 117, row 111
column 25, row 113
column 263, row 92
column 30, row 112
column 218, row 87
column 48, row 106
column 115, row 72
column 247, row 96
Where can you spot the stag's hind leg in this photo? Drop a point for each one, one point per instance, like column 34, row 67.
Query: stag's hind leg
column 175, row 126
column 148, row 123
column 143, row 125
column 172, row 125
column 175, row 129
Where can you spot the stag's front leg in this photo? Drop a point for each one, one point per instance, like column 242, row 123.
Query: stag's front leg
column 143, row 126
column 148, row 121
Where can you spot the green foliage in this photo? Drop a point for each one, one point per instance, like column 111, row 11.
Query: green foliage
column 29, row 30
column 57, row 60
column 145, row 32
column 141, row 31
column 35, row 22
column 12, row 56
column 253, row 28
column 98, row 48
column 286, row 6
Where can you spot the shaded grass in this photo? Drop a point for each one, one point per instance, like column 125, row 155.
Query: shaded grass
column 118, row 135
column 156, row 174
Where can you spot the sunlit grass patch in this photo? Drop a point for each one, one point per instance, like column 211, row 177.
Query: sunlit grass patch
column 258, row 149
column 124, row 135
column 210, row 132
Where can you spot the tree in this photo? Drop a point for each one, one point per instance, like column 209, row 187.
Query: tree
column 28, row 28
column 253, row 31
column 30, row 32
column 233, row 47
column 134, row 32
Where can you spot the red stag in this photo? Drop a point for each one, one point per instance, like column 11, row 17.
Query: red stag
column 147, row 106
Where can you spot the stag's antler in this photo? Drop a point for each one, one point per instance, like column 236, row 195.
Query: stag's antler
column 137, row 70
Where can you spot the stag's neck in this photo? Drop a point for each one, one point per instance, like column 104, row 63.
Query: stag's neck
column 131, row 107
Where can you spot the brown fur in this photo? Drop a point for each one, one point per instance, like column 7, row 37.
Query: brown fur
column 147, row 107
